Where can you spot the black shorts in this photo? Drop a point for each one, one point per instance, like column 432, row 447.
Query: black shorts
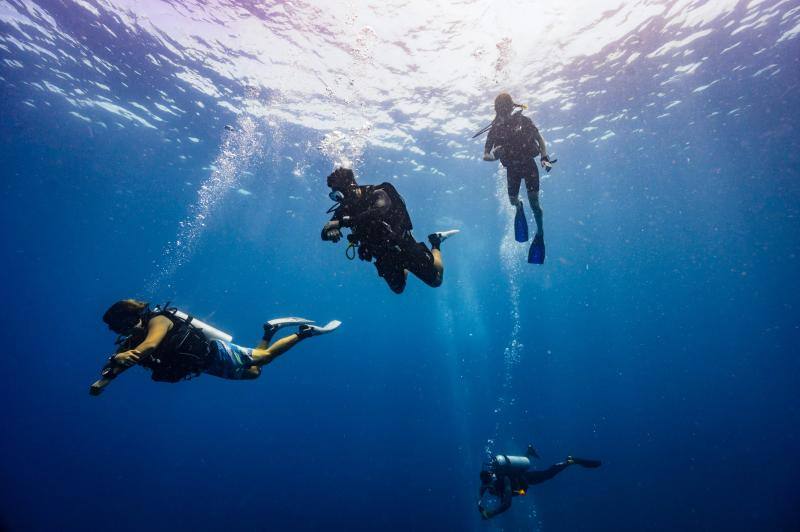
column 412, row 256
column 515, row 173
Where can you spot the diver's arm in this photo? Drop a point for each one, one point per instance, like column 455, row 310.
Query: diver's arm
column 540, row 141
column 505, row 501
column 330, row 231
column 487, row 148
column 157, row 329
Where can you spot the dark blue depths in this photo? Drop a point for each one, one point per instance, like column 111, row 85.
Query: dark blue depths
column 660, row 336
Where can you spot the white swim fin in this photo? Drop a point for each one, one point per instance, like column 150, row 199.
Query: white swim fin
column 307, row 331
column 437, row 238
column 272, row 326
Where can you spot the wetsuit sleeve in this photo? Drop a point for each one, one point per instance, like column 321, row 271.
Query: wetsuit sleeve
column 379, row 204
column 505, row 499
column 490, row 140
column 540, row 141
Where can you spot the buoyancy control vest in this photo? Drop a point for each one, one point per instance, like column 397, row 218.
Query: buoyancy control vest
column 517, row 135
column 185, row 350
column 375, row 235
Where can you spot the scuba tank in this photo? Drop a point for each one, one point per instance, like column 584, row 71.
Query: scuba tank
column 510, row 465
column 211, row 333
column 502, row 464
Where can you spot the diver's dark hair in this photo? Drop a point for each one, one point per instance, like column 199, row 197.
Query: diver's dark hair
column 503, row 101
column 124, row 314
column 341, row 178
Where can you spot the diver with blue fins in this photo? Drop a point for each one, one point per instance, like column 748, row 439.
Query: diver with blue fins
column 516, row 141
column 507, row 476
column 176, row 346
column 380, row 229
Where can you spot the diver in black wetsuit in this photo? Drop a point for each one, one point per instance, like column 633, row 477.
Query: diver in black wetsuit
column 516, row 141
column 381, row 229
column 510, row 476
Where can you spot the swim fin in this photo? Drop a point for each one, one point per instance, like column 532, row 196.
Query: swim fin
column 520, row 224
column 306, row 331
column 437, row 238
column 585, row 462
column 272, row 326
column 536, row 252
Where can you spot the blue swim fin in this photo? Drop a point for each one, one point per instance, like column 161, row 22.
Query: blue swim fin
column 520, row 224
column 536, row 252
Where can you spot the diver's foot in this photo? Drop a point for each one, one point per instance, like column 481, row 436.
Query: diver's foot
column 536, row 253
column 585, row 462
column 520, row 224
column 436, row 239
column 307, row 331
column 272, row 326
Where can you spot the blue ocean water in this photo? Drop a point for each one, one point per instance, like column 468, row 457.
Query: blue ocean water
column 660, row 335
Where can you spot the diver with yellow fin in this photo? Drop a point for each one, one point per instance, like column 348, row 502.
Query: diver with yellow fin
column 516, row 141
column 511, row 476
column 176, row 346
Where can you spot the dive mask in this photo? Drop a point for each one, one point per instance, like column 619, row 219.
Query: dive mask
column 124, row 326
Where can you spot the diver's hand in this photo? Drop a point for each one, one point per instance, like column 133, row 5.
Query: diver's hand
column 331, row 231
column 483, row 512
column 493, row 155
column 334, row 235
column 547, row 164
column 127, row 359
column 96, row 388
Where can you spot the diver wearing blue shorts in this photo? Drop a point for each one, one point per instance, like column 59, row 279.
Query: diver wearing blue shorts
column 175, row 346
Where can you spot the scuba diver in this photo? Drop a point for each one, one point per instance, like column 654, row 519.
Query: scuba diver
column 516, row 141
column 380, row 229
column 175, row 346
column 509, row 476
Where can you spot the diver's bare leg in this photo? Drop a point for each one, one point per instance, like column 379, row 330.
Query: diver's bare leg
column 263, row 345
column 434, row 280
column 438, row 265
column 263, row 356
